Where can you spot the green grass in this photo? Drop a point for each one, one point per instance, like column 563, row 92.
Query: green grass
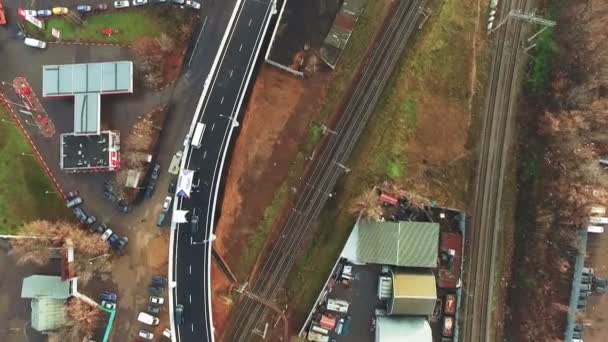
column 541, row 63
column 132, row 25
column 22, row 182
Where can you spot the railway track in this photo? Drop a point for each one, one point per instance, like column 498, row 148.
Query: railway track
column 497, row 133
column 327, row 168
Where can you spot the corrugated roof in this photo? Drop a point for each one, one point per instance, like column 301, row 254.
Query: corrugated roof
column 405, row 244
column 413, row 294
column 399, row 329
column 48, row 314
column 45, row 286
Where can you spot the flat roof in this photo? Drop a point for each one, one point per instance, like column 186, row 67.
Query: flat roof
column 88, row 151
column 87, row 114
column 45, row 286
column 73, row 79
column 405, row 244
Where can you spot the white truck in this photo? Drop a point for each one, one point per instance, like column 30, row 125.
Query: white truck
column 337, row 305
column 175, row 163
column 148, row 319
column 315, row 336
column 197, row 138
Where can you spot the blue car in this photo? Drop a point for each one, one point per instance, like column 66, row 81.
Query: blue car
column 84, row 8
column 108, row 296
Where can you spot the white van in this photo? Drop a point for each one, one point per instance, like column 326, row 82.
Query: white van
column 35, row 43
column 197, row 138
column 147, row 319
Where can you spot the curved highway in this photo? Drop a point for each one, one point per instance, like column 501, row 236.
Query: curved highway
column 218, row 108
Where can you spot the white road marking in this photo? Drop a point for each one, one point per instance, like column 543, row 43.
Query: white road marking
column 197, row 40
column 190, row 269
column 212, row 127
column 192, row 327
column 205, row 154
column 222, row 100
column 240, row 47
column 250, row 20
column 190, row 298
column 231, row 72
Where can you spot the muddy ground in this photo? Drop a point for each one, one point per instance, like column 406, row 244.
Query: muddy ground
column 275, row 123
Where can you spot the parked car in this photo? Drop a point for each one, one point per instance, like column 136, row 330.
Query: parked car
column 146, row 335
column 60, row 10
column 449, row 306
column 74, row 201
column 167, row 203
column 106, row 235
column 43, row 13
column 99, row 228
column 101, row 7
column 121, row 4
column 113, row 240
column 108, row 296
column 172, row 186
column 71, row 194
column 602, row 282
column 121, row 244
column 156, row 300
column 108, row 305
column 81, row 216
column 447, row 329
column 39, row 44
column 139, row 2
column 193, row 4
column 160, row 220
column 148, row 319
column 123, row 206
column 153, row 309
column 167, row 333
column 155, row 291
column 194, row 220
column 84, row 8
column 109, row 195
column 179, row 314
column 90, row 220
column 159, row 1
column 33, row 13
column 178, row 2
column 159, row 281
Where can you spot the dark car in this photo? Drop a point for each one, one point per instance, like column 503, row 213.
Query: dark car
column 121, row 244
column 71, row 195
column 109, row 195
column 159, row 281
column 113, row 240
column 90, row 220
column 172, row 187
column 179, row 314
column 155, row 291
column 108, row 296
column 194, row 221
column 153, row 179
column 73, row 202
column 124, row 207
column 99, row 228
column 81, row 216
column 154, row 309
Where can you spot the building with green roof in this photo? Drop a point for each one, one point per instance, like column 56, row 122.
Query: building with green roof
column 402, row 244
column 48, row 295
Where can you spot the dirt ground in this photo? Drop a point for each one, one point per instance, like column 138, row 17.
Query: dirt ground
column 274, row 124
column 596, row 316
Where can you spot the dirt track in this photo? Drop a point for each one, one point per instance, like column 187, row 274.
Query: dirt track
column 497, row 140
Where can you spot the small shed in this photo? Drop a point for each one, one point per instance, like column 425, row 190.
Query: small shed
column 414, row 294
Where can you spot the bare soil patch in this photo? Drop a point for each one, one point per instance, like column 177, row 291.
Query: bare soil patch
column 274, row 125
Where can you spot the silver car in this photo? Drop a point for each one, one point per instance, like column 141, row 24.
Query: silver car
column 121, row 4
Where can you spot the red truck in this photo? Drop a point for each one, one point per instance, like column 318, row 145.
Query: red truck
column 2, row 16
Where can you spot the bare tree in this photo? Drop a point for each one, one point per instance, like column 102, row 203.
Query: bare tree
column 367, row 205
column 82, row 321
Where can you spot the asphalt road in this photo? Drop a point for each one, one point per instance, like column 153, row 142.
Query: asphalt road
column 497, row 139
column 218, row 110
column 327, row 167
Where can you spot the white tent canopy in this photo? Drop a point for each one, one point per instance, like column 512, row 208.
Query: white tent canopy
column 184, row 183
column 179, row 216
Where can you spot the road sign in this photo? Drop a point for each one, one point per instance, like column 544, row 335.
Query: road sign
column 56, row 33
